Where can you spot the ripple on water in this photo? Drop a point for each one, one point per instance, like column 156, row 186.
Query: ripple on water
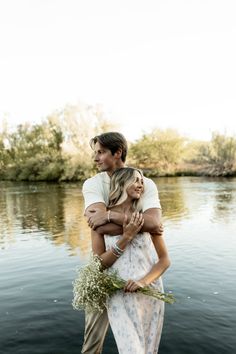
column 40, row 227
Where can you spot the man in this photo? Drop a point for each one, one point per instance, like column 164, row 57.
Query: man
column 110, row 150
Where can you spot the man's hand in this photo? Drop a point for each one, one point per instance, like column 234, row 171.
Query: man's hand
column 97, row 218
column 160, row 230
column 152, row 223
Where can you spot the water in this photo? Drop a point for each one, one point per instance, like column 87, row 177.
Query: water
column 44, row 236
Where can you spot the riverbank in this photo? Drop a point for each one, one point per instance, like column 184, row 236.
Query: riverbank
column 187, row 171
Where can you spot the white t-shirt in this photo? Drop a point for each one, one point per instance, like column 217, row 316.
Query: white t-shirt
column 96, row 190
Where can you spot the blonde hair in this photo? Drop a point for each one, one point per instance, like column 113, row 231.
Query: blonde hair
column 121, row 179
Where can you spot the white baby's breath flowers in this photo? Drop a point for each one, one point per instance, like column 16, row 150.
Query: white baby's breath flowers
column 94, row 285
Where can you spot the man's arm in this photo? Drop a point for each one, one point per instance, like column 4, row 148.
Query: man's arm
column 93, row 211
column 95, row 208
column 152, row 220
column 97, row 216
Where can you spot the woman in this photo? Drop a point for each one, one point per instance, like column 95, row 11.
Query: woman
column 136, row 319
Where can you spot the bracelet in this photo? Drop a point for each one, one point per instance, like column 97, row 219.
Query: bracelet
column 114, row 253
column 108, row 216
column 118, row 249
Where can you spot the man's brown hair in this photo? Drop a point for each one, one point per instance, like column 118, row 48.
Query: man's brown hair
column 112, row 141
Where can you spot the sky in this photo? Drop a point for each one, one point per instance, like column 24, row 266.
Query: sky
column 149, row 63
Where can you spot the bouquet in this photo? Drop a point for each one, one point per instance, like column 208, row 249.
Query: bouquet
column 94, row 285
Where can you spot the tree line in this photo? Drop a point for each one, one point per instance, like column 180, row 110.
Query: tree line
column 58, row 149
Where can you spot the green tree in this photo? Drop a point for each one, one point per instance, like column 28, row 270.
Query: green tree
column 56, row 149
column 158, row 152
column 79, row 123
column 4, row 144
column 34, row 152
column 219, row 155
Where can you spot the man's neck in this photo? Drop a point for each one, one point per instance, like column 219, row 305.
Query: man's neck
column 120, row 164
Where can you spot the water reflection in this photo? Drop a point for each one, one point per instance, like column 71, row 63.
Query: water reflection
column 76, row 231
column 224, row 204
column 184, row 197
column 54, row 211
column 36, row 275
column 172, row 198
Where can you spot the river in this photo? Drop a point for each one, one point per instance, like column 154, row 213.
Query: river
column 44, row 237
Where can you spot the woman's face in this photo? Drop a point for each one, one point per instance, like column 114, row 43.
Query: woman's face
column 136, row 189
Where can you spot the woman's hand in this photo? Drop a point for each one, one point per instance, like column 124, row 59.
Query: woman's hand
column 132, row 285
column 134, row 226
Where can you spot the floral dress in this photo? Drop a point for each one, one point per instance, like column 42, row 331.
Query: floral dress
column 136, row 319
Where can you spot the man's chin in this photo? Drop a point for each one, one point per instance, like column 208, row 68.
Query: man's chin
column 101, row 168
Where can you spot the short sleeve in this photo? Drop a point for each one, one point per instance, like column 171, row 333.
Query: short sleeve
column 92, row 192
column 150, row 196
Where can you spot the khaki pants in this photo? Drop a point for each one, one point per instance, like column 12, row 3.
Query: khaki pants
column 96, row 326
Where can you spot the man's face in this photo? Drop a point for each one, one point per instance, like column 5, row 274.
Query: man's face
column 103, row 158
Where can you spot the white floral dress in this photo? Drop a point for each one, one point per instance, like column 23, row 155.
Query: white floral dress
column 136, row 319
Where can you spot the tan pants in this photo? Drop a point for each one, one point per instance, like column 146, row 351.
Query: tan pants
column 96, row 325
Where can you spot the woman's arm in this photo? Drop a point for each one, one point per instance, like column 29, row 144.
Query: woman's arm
column 98, row 247
column 130, row 230
column 157, row 270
